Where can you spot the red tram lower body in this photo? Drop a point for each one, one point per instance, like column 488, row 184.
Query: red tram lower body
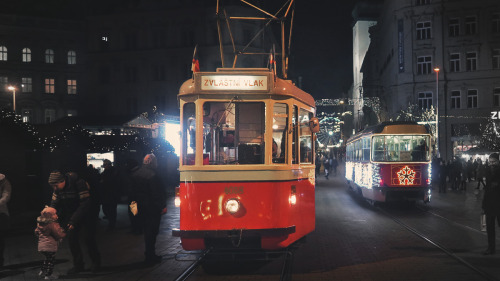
column 270, row 215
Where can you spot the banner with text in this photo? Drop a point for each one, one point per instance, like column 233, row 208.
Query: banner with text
column 234, row 82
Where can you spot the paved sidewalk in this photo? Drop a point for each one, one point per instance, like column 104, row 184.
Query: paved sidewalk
column 122, row 253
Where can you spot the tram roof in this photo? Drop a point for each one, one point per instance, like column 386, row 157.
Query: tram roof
column 235, row 76
column 396, row 127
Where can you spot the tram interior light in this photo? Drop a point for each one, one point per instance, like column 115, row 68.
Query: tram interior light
column 232, row 206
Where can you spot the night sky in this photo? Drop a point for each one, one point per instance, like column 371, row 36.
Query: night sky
column 322, row 46
column 321, row 51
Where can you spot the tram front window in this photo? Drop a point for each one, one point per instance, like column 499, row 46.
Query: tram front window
column 233, row 133
column 400, row 148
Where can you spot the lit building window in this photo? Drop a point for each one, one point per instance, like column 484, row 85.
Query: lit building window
column 455, row 99
column 71, row 57
column 471, row 59
column 50, row 115
column 26, row 115
column 495, row 23
column 470, row 25
column 496, row 59
column 71, row 112
column 424, row 65
column 3, row 53
column 49, row 86
column 26, row 55
column 472, row 99
column 71, row 87
column 49, row 56
column 423, row 30
column 454, row 62
column 425, row 100
column 27, row 83
column 453, row 27
column 496, row 97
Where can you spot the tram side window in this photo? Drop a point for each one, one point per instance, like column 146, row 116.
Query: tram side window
column 366, row 149
column 189, row 133
column 306, row 155
column 295, row 135
column 280, row 128
column 233, row 133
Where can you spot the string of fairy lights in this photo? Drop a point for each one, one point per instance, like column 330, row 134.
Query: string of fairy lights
column 82, row 135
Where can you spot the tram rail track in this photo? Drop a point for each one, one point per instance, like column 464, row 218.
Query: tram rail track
column 285, row 271
column 450, row 253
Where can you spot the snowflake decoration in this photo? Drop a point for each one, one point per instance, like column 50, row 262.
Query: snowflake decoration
column 406, row 176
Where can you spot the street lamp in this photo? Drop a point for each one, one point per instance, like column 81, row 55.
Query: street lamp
column 436, row 69
column 13, row 89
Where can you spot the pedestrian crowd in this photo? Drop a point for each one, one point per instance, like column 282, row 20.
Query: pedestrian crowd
column 455, row 174
column 73, row 211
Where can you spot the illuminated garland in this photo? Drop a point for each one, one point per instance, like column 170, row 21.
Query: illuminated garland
column 80, row 134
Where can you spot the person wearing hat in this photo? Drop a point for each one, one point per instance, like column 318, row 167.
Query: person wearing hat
column 150, row 196
column 71, row 198
column 49, row 234
column 5, row 191
column 491, row 200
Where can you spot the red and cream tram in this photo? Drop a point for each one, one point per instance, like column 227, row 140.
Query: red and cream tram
column 390, row 161
column 247, row 161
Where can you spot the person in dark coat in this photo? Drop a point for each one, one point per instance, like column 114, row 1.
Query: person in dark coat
column 5, row 192
column 71, row 198
column 49, row 234
column 443, row 171
column 491, row 200
column 110, row 193
column 150, row 196
column 480, row 174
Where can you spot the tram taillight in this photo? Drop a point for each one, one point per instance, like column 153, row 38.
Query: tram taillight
column 293, row 197
column 177, row 200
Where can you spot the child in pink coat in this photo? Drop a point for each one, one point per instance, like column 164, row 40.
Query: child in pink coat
column 49, row 234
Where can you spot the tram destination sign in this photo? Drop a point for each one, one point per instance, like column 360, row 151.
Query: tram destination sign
column 234, row 82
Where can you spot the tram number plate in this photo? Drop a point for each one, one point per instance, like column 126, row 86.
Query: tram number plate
column 234, row 190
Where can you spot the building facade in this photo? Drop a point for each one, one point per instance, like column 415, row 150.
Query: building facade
column 42, row 61
column 141, row 53
column 442, row 54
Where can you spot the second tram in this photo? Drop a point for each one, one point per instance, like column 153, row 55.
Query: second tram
column 390, row 161
column 247, row 161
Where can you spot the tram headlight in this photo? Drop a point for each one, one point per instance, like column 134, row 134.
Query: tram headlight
column 232, row 206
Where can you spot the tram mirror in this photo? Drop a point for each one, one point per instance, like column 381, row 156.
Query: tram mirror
column 206, row 109
column 314, row 125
